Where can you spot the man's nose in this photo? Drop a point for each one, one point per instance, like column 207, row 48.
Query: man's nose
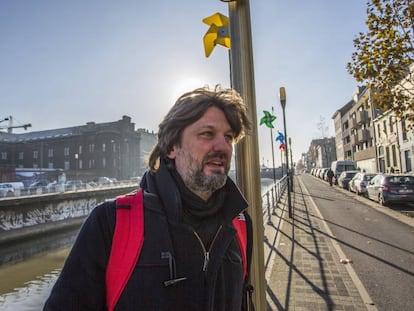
column 222, row 144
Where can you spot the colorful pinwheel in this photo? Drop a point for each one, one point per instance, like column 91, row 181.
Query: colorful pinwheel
column 267, row 119
column 280, row 138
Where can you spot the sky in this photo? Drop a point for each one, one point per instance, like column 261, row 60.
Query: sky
column 66, row 63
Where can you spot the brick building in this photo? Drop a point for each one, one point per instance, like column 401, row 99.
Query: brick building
column 112, row 149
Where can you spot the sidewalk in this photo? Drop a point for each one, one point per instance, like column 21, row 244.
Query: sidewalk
column 303, row 264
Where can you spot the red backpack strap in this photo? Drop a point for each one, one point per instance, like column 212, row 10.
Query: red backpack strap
column 126, row 245
column 239, row 224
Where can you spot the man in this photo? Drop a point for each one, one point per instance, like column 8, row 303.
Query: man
column 330, row 175
column 189, row 205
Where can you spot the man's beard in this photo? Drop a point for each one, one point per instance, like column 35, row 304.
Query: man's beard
column 195, row 178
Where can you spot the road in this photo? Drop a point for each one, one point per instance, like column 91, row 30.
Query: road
column 381, row 247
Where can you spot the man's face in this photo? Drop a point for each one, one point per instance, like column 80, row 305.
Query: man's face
column 204, row 155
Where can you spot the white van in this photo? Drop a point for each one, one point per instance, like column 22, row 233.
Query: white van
column 14, row 188
column 16, row 185
column 342, row 165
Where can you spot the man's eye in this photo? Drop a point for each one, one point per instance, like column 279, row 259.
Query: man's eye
column 206, row 134
column 229, row 137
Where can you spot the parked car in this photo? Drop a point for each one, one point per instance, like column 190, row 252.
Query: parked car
column 345, row 177
column 6, row 190
column 104, row 181
column 72, row 185
column 323, row 172
column 390, row 188
column 38, row 187
column 341, row 166
column 358, row 183
column 55, row 186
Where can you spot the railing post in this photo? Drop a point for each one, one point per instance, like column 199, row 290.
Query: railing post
column 269, row 222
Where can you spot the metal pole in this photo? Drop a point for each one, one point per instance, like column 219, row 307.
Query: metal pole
column 247, row 151
column 291, row 163
column 283, row 103
column 273, row 157
column 273, row 154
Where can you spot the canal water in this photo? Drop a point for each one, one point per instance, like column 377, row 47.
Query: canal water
column 29, row 270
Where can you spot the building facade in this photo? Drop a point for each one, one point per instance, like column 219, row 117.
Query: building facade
column 112, row 149
column 378, row 141
column 362, row 131
column 321, row 153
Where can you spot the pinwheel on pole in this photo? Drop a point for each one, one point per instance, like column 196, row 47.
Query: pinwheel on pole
column 268, row 119
column 281, row 139
column 218, row 33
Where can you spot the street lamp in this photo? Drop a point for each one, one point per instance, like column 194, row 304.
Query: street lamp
column 282, row 96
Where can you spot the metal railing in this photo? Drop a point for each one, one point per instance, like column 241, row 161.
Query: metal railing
column 60, row 188
column 271, row 195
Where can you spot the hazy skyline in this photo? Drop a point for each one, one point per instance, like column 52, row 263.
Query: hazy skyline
column 65, row 63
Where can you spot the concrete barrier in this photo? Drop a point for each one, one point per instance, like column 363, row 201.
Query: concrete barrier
column 24, row 217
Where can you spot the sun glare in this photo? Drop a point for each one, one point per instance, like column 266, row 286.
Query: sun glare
column 186, row 84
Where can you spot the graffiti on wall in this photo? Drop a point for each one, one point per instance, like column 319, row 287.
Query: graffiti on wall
column 10, row 219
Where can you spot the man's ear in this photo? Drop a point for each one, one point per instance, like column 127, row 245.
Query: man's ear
column 172, row 154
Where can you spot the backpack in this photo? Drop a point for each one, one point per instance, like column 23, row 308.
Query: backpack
column 128, row 240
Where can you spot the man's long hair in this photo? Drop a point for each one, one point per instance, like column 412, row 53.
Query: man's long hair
column 189, row 108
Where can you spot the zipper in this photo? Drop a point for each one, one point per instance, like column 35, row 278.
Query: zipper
column 207, row 252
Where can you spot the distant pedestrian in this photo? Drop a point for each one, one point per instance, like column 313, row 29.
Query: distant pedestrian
column 330, row 175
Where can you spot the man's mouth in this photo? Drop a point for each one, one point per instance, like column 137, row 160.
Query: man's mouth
column 216, row 161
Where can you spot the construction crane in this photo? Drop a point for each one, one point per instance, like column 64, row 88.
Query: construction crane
column 11, row 126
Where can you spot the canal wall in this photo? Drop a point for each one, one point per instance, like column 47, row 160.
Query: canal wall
column 25, row 217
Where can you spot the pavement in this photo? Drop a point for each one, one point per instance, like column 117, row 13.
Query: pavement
column 305, row 268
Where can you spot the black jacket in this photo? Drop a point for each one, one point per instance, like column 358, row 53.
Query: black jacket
column 216, row 284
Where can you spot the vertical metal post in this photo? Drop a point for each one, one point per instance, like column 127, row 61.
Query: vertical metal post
column 247, row 151
column 273, row 157
column 291, row 163
column 282, row 94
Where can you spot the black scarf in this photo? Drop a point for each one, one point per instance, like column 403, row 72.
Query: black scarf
column 203, row 216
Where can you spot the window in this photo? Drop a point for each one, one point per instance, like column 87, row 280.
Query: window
column 35, row 165
column 384, row 123
column 103, row 147
column 66, row 151
column 91, row 148
column 35, row 154
column 21, row 155
column 80, row 149
column 387, row 155
column 50, row 165
column 50, row 153
column 407, row 157
column 80, row 164
column 92, row 163
column 4, row 155
column 66, row 165
column 103, row 163
column 404, row 129
column 379, row 130
column 394, row 156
